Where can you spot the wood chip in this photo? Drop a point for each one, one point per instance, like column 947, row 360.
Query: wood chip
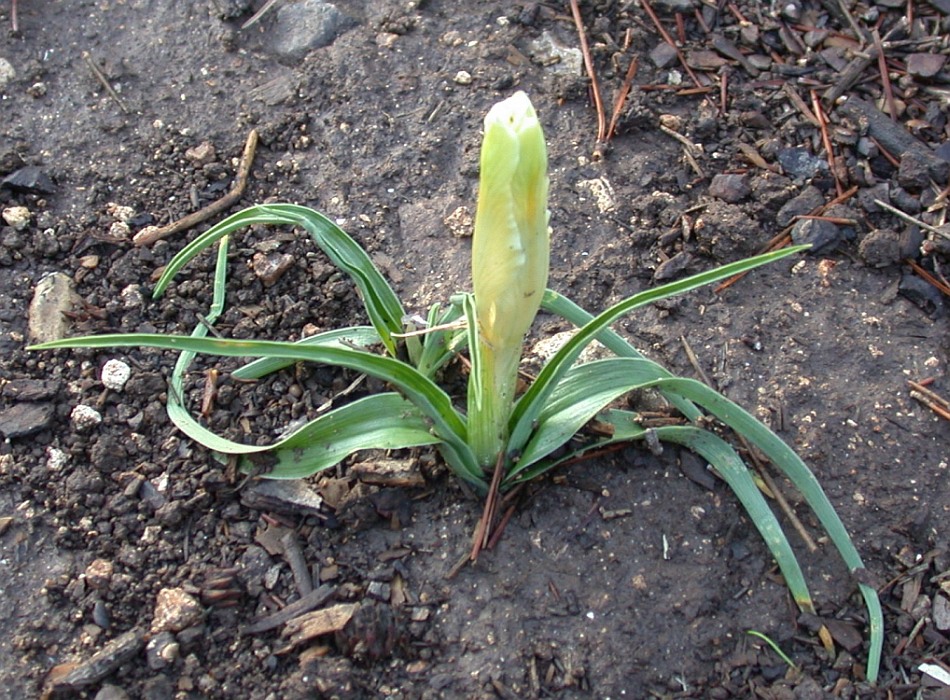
column 319, row 622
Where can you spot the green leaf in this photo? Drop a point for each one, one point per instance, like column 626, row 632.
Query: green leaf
column 532, row 402
column 352, row 336
column 584, row 392
column 382, row 305
column 431, row 400
column 380, row 421
column 565, row 308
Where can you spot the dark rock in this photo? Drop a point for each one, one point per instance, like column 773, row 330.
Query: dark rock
column 880, row 248
column 29, row 180
column 31, row 389
column 663, row 55
column 232, row 9
column 158, row 688
column 823, row 236
column 866, row 197
column 809, row 199
column 307, row 25
column 799, row 163
column 925, row 65
column 730, row 187
column 913, row 173
column 905, row 201
column 25, row 418
column 673, row 267
column 922, row 294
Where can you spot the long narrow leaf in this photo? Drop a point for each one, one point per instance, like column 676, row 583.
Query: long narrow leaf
column 790, row 464
column 175, row 407
column 531, row 403
column 565, row 308
column 382, row 304
column 585, row 391
column 352, row 336
column 434, row 403
column 379, row 421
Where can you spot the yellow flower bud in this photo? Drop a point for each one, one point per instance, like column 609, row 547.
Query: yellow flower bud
column 510, row 259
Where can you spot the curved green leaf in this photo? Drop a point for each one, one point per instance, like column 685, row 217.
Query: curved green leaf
column 379, row 421
column 431, row 400
column 584, row 392
column 352, row 336
column 382, row 305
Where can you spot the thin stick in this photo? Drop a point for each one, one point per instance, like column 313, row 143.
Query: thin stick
column 483, row 529
column 669, row 40
column 885, row 78
column 622, row 96
column 826, row 140
column 150, row 234
column 910, row 219
column 100, row 76
column 589, row 65
column 14, row 24
column 259, row 14
column 928, row 277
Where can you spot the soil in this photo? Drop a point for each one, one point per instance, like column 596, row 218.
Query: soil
column 619, row 577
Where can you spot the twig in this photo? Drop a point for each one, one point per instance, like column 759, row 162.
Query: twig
column 589, row 65
column 910, row 219
column 669, row 40
column 100, row 76
column 622, row 96
column 826, row 140
column 930, row 399
column 14, row 24
column 293, row 553
column 150, row 234
column 256, row 17
column 885, row 78
column 483, row 529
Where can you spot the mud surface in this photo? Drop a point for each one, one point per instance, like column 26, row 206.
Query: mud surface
column 620, row 577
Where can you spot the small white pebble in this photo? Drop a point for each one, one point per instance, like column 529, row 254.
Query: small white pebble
column 55, row 459
column 463, row 77
column 85, row 417
column 115, row 373
column 17, row 217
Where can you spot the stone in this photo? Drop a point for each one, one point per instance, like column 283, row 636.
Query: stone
column 17, row 217
column 175, row 609
column 913, row 173
column 555, row 56
column 85, row 418
column 161, row 651
column 940, row 612
column 823, row 236
column 115, row 373
column 111, row 692
column 269, row 267
column 7, row 72
column 53, row 297
column 304, row 26
column 25, row 419
column 663, row 55
column 730, row 188
column 799, row 163
column 29, row 180
column 99, row 574
column 925, row 65
column 809, row 199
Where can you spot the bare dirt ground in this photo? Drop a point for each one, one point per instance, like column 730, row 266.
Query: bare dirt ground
column 629, row 576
